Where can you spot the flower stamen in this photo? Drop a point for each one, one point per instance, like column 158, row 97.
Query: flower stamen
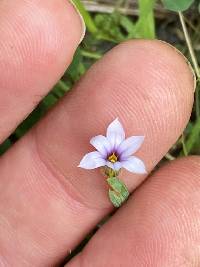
column 113, row 158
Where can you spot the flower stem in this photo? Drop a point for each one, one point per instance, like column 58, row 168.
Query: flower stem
column 185, row 152
column 169, row 156
column 193, row 58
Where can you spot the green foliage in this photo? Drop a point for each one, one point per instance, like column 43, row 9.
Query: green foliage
column 110, row 27
column 145, row 26
column 103, row 32
column 177, row 5
column 116, row 27
column 193, row 140
column 86, row 15
column 77, row 67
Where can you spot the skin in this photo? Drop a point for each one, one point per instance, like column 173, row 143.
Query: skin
column 47, row 204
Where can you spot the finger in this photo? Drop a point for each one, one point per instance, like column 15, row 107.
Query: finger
column 35, row 49
column 133, row 82
column 159, row 226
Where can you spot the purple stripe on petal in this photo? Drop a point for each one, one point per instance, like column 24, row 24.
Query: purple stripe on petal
column 92, row 160
column 135, row 165
column 102, row 144
column 115, row 133
column 129, row 146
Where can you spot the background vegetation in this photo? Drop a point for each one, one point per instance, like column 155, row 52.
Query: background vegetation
column 110, row 22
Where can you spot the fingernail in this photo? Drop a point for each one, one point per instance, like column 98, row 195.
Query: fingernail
column 82, row 21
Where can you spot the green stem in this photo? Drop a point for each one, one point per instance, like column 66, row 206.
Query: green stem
column 193, row 58
column 86, row 16
column 63, row 86
column 189, row 44
column 89, row 54
column 185, row 151
column 192, row 138
column 169, row 157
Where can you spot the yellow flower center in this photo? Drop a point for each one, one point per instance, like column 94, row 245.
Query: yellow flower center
column 112, row 158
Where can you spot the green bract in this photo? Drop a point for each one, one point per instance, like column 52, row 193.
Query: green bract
column 177, row 5
column 118, row 193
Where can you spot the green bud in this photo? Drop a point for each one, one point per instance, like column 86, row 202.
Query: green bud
column 118, row 192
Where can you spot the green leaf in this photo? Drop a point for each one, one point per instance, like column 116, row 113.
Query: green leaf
column 86, row 16
column 194, row 136
column 127, row 24
column 109, row 26
column 145, row 26
column 76, row 68
column 118, row 193
column 192, row 141
column 177, row 5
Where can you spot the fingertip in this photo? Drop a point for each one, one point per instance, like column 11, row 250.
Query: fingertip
column 166, row 53
column 38, row 40
column 83, row 26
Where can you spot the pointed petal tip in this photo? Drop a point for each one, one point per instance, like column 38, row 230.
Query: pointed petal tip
column 140, row 138
column 116, row 120
column 143, row 138
column 134, row 165
column 129, row 146
column 115, row 133
column 92, row 160
column 80, row 165
column 144, row 172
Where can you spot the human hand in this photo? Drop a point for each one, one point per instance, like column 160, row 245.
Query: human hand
column 47, row 204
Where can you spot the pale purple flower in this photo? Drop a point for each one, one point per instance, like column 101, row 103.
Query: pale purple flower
column 114, row 151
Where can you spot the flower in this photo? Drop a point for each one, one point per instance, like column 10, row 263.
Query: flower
column 114, row 151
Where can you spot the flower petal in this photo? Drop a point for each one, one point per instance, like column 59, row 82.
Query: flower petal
column 135, row 165
column 115, row 166
column 109, row 164
column 130, row 146
column 102, row 144
column 115, row 133
column 92, row 160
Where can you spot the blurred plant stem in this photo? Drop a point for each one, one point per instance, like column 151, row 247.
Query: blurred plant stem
column 192, row 138
column 146, row 21
column 63, row 86
column 194, row 61
column 168, row 156
column 86, row 16
column 89, row 54
column 185, row 151
column 89, row 22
